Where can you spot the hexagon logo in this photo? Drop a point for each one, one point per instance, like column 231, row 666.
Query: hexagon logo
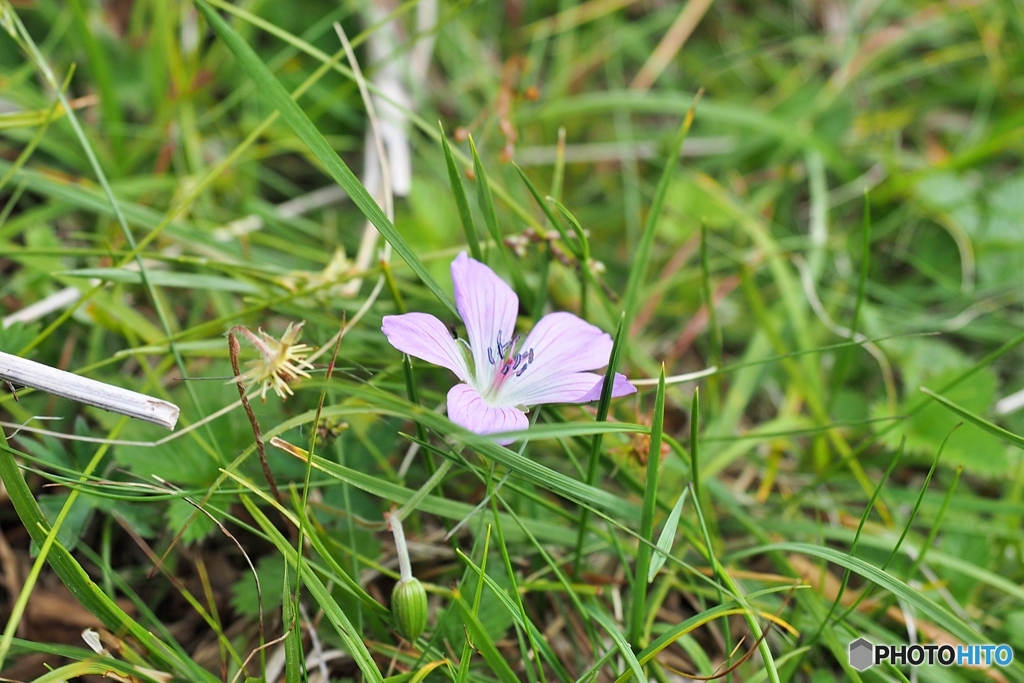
column 862, row 654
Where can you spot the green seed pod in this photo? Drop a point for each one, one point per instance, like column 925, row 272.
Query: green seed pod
column 409, row 607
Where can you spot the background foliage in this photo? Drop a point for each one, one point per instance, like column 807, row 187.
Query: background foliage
column 842, row 229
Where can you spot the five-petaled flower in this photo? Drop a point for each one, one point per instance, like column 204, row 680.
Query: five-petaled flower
column 501, row 376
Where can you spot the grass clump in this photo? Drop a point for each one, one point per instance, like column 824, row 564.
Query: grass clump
column 801, row 224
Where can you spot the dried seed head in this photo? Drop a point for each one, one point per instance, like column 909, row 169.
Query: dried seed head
column 280, row 362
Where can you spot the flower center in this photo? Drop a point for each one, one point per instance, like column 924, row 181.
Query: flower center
column 506, row 363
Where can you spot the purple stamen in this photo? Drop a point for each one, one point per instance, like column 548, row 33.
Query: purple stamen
column 522, row 370
column 501, row 347
column 504, row 370
column 490, row 355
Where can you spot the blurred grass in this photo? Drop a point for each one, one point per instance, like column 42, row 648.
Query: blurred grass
column 852, row 173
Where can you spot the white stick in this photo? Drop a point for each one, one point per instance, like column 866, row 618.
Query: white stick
column 68, row 385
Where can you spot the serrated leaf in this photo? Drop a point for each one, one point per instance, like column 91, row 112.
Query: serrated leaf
column 976, row 449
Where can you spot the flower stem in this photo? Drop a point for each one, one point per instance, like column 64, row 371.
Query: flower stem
column 401, row 549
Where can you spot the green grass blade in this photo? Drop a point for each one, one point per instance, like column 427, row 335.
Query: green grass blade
column 455, row 178
column 294, row 662
column 714, row 331
column 643, row 555
column 467, row 647
column 994, row 429
column 584, row 257
column 595, row 446
column 641, row 254
column 485, row 199
column 546, row 208
column 937, row 524
column 668, row 536
column 491, row 654
column 311, row 582
column 846, row 357
column 624, row 649
column 929, row 609
column 518, row 613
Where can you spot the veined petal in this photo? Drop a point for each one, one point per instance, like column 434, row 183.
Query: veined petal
column 620, row 387
column 570, row 387
column 425, row 337
column 564, row 348
column 467, row 408
column 488, row 306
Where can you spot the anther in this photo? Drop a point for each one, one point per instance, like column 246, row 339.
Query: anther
column 531, row 354
column 490, row 355
column 522, row 370
column 504, row 370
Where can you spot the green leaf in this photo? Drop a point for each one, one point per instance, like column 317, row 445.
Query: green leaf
column 245, row 598
column 668, row 537
column 974, row 446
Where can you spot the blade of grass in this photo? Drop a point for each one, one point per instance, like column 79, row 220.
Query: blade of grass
column 643, row 555
column 546, row 208
column 668, row 536
column 856, row 540
column 99, row 65
column 537, row 642
column 595, row 447
column 484, row 198
column 978, row 421
column 714, row 331
column 519, row 615
column 294, row 662
column 923, row 604
column 934, row 530
column 845, row 358
column 906, row 528
column 491, row 654
column 349, row 635
column 641, row 254
column 467, row 647
column 455, row 178
column 624, row 649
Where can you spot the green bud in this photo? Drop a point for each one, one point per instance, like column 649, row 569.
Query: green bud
column 409, row 607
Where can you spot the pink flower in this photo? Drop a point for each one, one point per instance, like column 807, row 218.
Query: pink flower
column 501, row 377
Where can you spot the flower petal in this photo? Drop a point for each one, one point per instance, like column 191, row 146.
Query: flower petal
column 425, row 337
column 466, row 408
column 488, row 306
column 620, row 387
column 564, row 348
